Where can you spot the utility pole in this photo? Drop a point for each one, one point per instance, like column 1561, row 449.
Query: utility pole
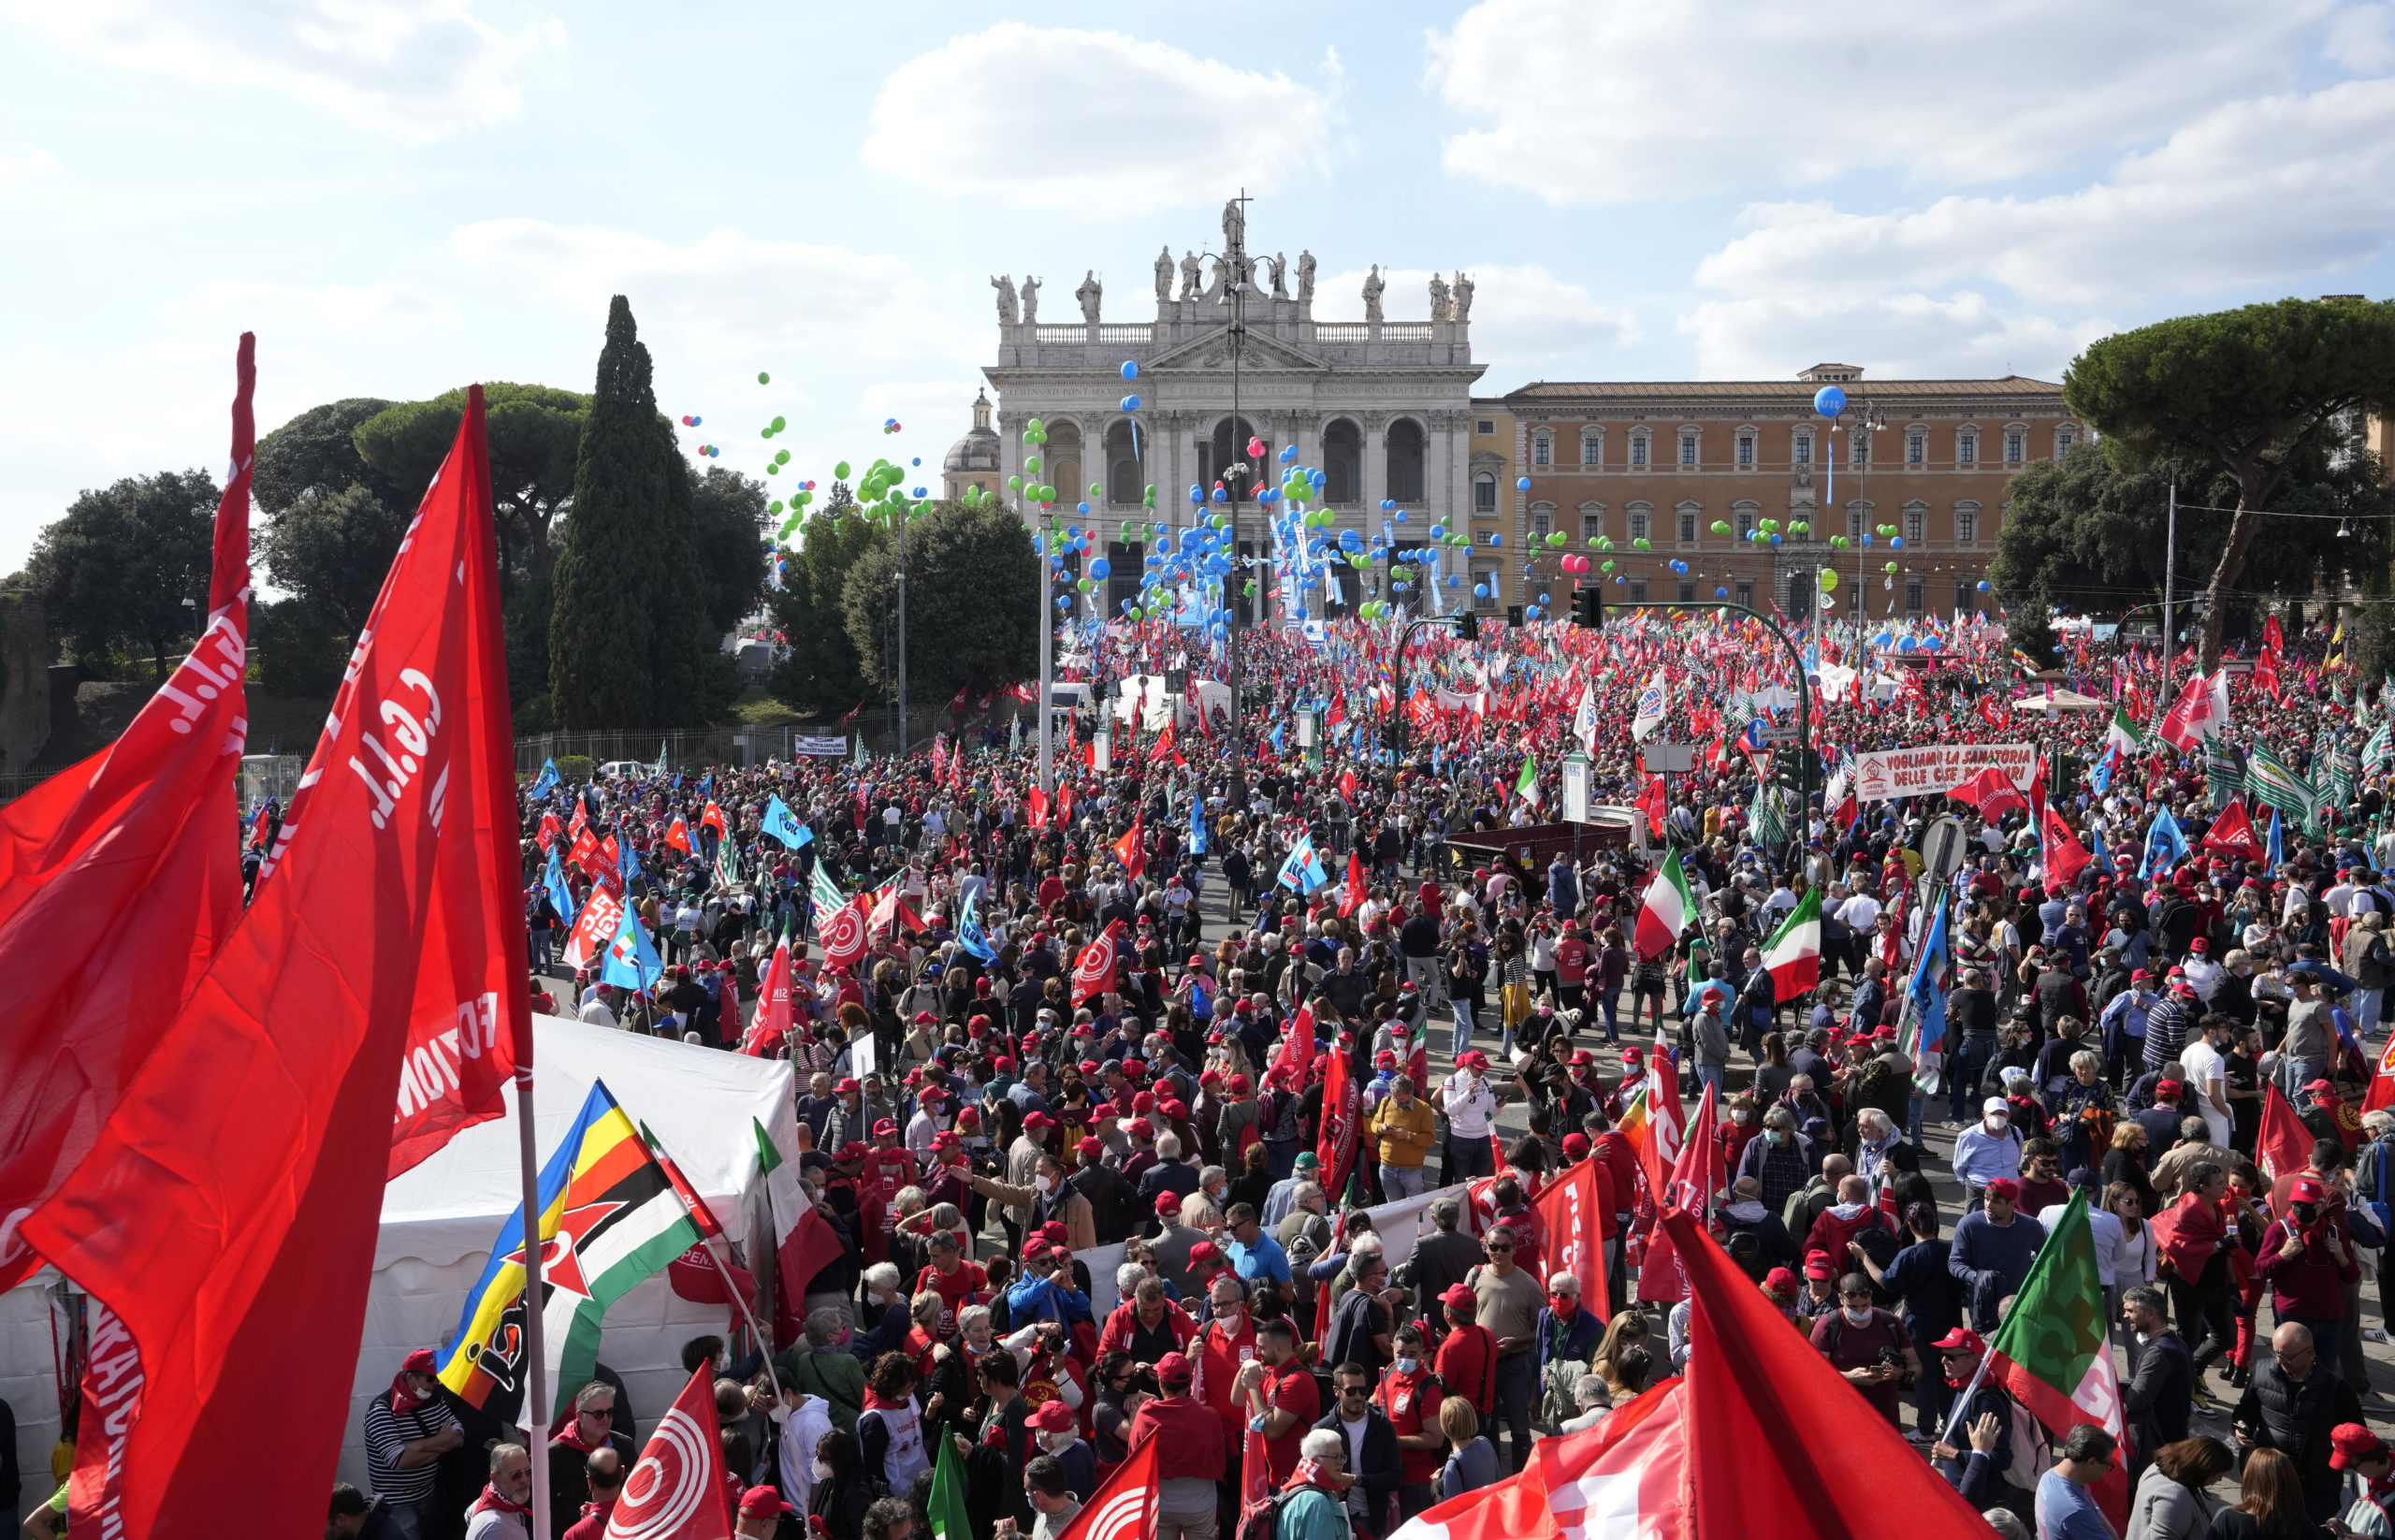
column 1235, row 253
column 2169, row 577
column 903, row 739
column 1047, row 655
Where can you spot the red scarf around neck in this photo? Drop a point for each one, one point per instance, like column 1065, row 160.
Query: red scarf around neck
column 493, row 1501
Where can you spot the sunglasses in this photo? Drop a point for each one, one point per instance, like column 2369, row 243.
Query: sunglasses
column 1355, row 1389
column 604, row 1413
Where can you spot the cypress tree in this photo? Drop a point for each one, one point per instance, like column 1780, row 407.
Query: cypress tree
column 628, row 633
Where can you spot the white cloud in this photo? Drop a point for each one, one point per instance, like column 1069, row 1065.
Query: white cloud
column 1070, row 123
column 1520, row 315
column 372, row 308
column 1586, row 102
column 413, row 69
column 1897, row 336
column 2363, row 38
column 2257, row 192
column 22, row 165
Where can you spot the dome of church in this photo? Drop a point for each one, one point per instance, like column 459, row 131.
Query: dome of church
column 978, row 450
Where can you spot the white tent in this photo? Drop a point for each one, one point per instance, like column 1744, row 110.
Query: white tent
column 440, row 1219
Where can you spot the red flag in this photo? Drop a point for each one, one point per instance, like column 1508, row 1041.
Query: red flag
column 1574, row 1210
column 771, row 1028
column 1789, row 1451
column 678, row 835
column 850, row 719
column 1124, row 1507
column 1295, row 1060
column 1626, row 1477
column 677, row 1491
column 2232, row 833
column 957, row 703
column 713, row 819
column 1991, row 793
column 585, row 853
column 2382, row 1082
column 1341, row 1107
column 1352, row 893
column 842, row 932
column 1131, row 849
column 550, row 829
column 1655, row 802
column 698, row 1275
column 1347, row 784
column 1696, row 1179
column 1036, row 807
column 2065, row 856
column 1163, row 747
column 1094, row 971
column 120, row 878
column 230, row 1204
column 2283, row 1148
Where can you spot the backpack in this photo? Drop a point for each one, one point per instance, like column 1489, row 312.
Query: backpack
column 1263, row 1521
column 1746, row 1249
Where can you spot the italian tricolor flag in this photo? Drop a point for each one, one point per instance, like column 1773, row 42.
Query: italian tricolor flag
column 1526, row 784
column 2051, row 1352
column 804, row 1241
column 1793, row 954
column 2124, row 733
column 1665, row 912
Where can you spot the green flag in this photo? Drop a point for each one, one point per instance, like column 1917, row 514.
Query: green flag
column 2052, row 1353
column 947, row 1504
column 1526, row 784
column 825, row 896
column 2269, row 780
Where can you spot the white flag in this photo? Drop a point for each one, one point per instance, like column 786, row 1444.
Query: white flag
column 1584, row 721
column 1654, row 704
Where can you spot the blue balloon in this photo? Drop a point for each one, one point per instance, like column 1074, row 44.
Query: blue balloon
column 1897, row 543
column 1288, row 454
column 1222, row 494
column 1480, row 591
column 1867, row 537
column 1196, row 493
column 1100, row 567
column 1542, row 599
column 1453, row 580
column 1775, row 540
column 918, row 460
column 1720, row 593
column 1982, row 585
column 1130, row 404
column 1131, row 368
column 1496, row 540
column 1523, row 485
column 1438, row 531
column 1401, row 515
column 1829, row 401
column 1386, row 504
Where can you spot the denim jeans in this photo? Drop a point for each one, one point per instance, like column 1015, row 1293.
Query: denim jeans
column 1400, row 1181
column 1516, row 1379
column 1469, row 1158
column 1609, row 1000
column 1465, row 1026
column 541, row 942
column 2365, row 1003
column 1710, row 1074
column 1970, row 1064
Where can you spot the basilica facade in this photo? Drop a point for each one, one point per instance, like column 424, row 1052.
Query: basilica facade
column 1233, row 352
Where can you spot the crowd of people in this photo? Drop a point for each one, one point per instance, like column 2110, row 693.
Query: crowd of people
column 1066, row 1024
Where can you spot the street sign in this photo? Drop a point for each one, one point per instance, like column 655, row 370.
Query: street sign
column 1576, row 788
column 1669, row 759
column 1779, row 732
column 1941, row 847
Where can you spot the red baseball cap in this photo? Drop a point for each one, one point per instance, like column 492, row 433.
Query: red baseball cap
column 1167, row 1204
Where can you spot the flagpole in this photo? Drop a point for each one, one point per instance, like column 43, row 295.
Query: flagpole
column 1962, row 1401
column 536, row 1386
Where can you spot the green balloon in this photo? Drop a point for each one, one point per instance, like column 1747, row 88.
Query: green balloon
column 763, row 378
column 1031, row 463
column 1720, row 526
column 1096, row 491
column 773, row 507
column 1829, row 579
column 1889, row 568
column 1086, row 584
column 773, row 468
column 841, row 471
column 781, row 456
column 1643, row 545
column 779, row 425
column 1034, row 426
column 1014, row 484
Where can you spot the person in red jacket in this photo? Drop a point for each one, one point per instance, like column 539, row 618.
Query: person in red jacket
column 2307, row 1260
column 1147, row 1326
column 958, row 1282
column 1467, row 1362
column 1190, row 1460
column 2196, row 1242
column 1409, row 1395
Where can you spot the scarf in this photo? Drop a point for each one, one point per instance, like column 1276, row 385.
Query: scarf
column 571, row 1437
column 492, row 1501
column 403, row 1397
column 1311, row 1473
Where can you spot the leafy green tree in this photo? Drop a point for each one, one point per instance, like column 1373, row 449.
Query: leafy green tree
column 2085, row 534
column 115, row 573
column 728, row 520
column 315, row 452
column 629, row 643
column 972, row 601
column 535, row 439
column 2248, row 391
column 331, row 550
column 822, row 674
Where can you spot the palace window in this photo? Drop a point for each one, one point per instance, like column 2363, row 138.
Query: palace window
column 1967, row 446
column 1638, row 450
column 2016, row 445
column 1916, row 446
column 1687, row 449
column 1542, row 450
column 1483, row 492
column 1746, row 450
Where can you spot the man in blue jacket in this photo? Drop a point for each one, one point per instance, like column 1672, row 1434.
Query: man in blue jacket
column 1567, row 1344
column 1991, row 1252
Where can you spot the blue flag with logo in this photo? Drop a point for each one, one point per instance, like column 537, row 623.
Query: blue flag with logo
column 1928, row 989
column 545, row 779
column 1196, row 825
column 2165, row 844
column 1303, row 869
column 970, row 934
column 1276, row 738
column 783, row 825
column 560, row 894
column 630, row 961
column 627, row 859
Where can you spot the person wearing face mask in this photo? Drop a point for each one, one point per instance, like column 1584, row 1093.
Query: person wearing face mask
column 1053, row 1430
column 800, row 1421
column 1409, row 1394
column 1224, row 1348
column 1988, row 1151
column 1776, row 1161
column 1979, row 1464
column 842, row 1494
column 1867, row 1345
column 2307, row 1259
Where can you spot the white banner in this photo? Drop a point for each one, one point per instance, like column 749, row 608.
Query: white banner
column 1933, row 769
column 830, row 745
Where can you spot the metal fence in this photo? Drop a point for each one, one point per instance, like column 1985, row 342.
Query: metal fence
column 737, row 745
column 16, row 783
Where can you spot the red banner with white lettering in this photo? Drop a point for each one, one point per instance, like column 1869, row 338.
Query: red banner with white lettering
column 230, row 1204
column 120, row 878
column 1574, row 1210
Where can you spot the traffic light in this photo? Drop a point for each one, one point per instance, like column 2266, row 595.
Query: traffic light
column 1589, row 609
column 1468, row 626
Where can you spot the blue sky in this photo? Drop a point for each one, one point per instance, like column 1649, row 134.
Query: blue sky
column 403, row 195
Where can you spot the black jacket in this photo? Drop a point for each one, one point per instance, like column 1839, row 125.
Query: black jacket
column 1381, row 1464
column 2157, row 1394
column 2295, row 1419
